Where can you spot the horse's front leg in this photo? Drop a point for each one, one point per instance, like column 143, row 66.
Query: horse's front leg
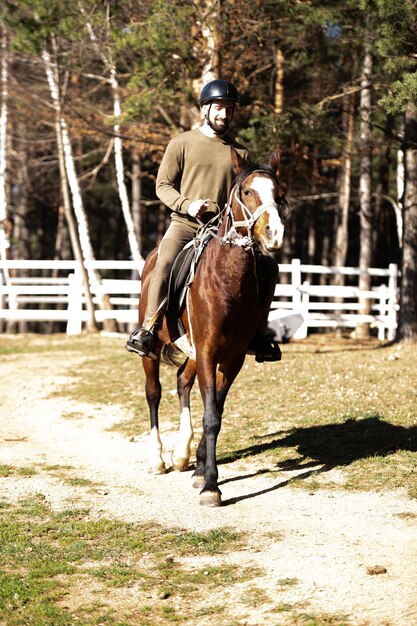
column 153, row 396
column 224, row 379
column 182, row 452
column 201, row 455
column 210, row 494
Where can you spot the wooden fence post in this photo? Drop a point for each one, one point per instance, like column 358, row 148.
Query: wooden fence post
column 75, row 303
column 392, row 300
column 296, row 284
column 298, row 303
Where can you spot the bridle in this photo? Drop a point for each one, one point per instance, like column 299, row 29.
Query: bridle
column 232, row 236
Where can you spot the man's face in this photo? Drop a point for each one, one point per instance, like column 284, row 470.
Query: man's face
column 220, row 114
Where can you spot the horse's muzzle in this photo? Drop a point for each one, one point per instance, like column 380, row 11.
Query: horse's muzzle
column 272, row 251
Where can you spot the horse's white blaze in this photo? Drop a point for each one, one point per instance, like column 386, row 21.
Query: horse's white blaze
column 274, row 232
column 156, row 462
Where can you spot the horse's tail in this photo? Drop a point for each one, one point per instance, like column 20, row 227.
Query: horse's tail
column 171, row 355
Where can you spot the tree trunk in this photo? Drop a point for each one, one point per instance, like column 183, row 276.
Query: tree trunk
column 83, row 231
column 4, row 235
column 400, row 190
column 279, row 83
column 407, row 327
column 118, row 146
column 341, row 236
column 312, row 229
column 365, row 189
column 91, row 324
column 21, row 233
column 4, row 77
column 121, row 185
column 137, row 196
column 20, row 247
column 206, row 22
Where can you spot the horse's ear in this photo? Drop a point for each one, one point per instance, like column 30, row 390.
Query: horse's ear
column 239, row 163
column 275, row 162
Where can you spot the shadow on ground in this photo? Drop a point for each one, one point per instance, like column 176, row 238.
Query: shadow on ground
column 322, row 448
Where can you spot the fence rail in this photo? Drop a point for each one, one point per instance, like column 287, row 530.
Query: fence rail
column 306, row 296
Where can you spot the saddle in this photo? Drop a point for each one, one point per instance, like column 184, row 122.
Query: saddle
column 181, row 278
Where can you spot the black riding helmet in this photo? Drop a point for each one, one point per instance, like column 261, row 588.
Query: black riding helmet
column 219, row 90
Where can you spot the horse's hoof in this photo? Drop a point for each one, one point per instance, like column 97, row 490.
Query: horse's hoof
column 158, row 469
column 180, row 464
column 210, row 498
column 198, row 482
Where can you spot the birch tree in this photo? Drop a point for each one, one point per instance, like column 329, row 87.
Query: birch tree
column 207, row 16
column 407, row 329
column 110, row 66
column 4, row 239
column 91, row 325
column 52, row 75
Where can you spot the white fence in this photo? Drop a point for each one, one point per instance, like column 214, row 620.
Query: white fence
column 42, row 291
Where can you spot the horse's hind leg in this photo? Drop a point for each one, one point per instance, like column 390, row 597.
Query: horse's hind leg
column 182, row 452
column 153, row 396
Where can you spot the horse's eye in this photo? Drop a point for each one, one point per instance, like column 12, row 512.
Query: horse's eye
column 247, row 192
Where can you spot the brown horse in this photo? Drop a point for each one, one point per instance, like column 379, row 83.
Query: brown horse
column 221, row 316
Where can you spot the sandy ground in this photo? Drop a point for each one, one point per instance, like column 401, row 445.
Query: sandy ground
column 325, row 540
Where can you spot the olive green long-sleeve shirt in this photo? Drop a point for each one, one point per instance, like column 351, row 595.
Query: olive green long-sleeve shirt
column 195, row 166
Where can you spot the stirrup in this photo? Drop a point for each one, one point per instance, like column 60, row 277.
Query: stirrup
column 141, row 342
column 269, row 350
column 266, row 347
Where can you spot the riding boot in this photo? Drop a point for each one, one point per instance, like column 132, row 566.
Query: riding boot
column 142, row 340
column 265, row 347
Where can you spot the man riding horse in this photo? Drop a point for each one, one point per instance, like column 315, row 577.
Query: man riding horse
column 195, row 177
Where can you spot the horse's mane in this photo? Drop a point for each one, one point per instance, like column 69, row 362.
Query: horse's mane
column 253, row 167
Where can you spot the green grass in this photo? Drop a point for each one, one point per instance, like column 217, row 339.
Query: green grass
column 62, row 472
column 306, row 619
column 10, row 470
column 46, row 556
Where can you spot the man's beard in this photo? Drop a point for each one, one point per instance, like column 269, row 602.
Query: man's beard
column 220, row 127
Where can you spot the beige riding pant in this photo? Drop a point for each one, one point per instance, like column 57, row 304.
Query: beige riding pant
column 177, row 235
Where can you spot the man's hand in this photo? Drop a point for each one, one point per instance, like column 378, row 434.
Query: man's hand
column 197, row 208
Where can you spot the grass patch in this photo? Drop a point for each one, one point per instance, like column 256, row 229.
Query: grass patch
column 72, row 415
column 323, row 620
column 255, row 597
column 287, row 582
column 62, row 472
column 406, row 515
column 49, row 558
column 9, row 470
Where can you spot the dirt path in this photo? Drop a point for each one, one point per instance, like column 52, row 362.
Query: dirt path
column 325, row 540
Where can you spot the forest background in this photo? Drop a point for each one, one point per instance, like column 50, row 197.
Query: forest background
column 91, row 93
